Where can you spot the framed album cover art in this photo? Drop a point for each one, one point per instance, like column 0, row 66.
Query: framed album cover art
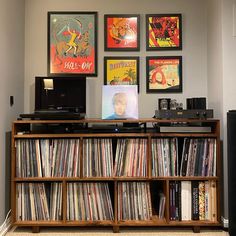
column 164, row 74
column 72, row 43
column 121, row 71
column 119, row 102
column 163, row 32
column 122, row 32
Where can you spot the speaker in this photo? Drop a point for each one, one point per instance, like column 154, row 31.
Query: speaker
column 196, row 103
column 231, row 146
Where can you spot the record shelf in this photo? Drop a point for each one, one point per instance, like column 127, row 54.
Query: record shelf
column 116, row 173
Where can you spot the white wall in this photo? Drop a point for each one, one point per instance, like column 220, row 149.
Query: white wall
column 11, row 78
column 194, row 47
column 229, row 76
column 221, row 70
column 216, row 80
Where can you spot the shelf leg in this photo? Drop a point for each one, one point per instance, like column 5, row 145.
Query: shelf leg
column 196, row 229
column 35, row 229
column 116, row 229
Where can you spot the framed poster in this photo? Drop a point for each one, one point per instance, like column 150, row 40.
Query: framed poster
column 121, row 71
column 119, row 102
column 164, row 74
column 121, row 32
column 72, row 43
column 163, row 32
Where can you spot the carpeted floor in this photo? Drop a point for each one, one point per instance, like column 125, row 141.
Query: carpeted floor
column 108, row 232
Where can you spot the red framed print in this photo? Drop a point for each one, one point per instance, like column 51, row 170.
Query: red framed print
column 72, row 43
column 121, row 70
column 163, row 32
column 164, row 74
column 121, row 32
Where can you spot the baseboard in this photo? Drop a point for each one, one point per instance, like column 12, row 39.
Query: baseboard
column 225, row 222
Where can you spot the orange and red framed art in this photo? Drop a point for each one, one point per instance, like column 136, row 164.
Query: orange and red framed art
column 164, row 74
column 163, row 32
column 122, row 32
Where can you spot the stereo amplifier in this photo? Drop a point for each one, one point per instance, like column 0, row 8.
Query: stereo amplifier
column 184, row 114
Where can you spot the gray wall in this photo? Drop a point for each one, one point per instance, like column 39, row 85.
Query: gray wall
column 11, row 78
column 208, row 57
column 194, row 47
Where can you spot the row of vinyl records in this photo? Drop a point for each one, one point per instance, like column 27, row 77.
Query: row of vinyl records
column 85, row 201
column 61, row 157
column 193, row 200
column 90, row 201
column 198, row 157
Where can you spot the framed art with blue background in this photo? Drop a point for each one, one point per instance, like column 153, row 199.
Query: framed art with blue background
column 119, row 102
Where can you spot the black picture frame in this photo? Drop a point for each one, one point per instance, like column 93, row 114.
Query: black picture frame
column 163, row 32
column 121, row 70
column 121, row 32
column 72, row 43
column 164, row 74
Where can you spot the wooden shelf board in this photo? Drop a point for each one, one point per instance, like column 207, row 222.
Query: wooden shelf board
column 197, row 135
column 136, row 178
column 62, row 223
column 194, row 223
column 79, row 135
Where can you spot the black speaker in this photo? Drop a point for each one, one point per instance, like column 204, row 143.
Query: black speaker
column 196, row 103
column 231, row 146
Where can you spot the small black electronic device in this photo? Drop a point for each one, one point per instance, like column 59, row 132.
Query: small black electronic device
column 116, row 128
column 184, row 114
column 60, row 95
column 196, row 103
column 58, row 98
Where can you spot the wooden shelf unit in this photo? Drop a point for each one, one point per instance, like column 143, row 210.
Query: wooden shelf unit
column 82, row 129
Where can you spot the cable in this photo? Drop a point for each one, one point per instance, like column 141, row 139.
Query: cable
column 1, row 227
column 6, row 224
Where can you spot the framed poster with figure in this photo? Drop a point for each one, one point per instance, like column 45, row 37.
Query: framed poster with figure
column 164, row 74
column 121, row 32
column 72, row 43
column 163, row 32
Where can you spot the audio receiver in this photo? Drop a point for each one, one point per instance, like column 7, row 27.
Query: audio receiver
column 184, row 114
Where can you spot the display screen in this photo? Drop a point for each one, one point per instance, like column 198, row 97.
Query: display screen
column 60, row 93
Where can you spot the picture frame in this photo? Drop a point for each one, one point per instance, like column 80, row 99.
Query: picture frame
column 72, row 43
column 122, row 32
column 121, row 70
column 163, row 32
column 164, row 74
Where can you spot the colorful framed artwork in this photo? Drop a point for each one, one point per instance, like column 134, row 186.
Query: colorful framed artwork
column 163, row 32
column 164, row 74
column 122, row 32
column 72, row 43
column 119, row 102
column 121, row 71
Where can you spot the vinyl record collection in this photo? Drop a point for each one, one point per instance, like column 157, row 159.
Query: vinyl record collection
column 198, row 157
